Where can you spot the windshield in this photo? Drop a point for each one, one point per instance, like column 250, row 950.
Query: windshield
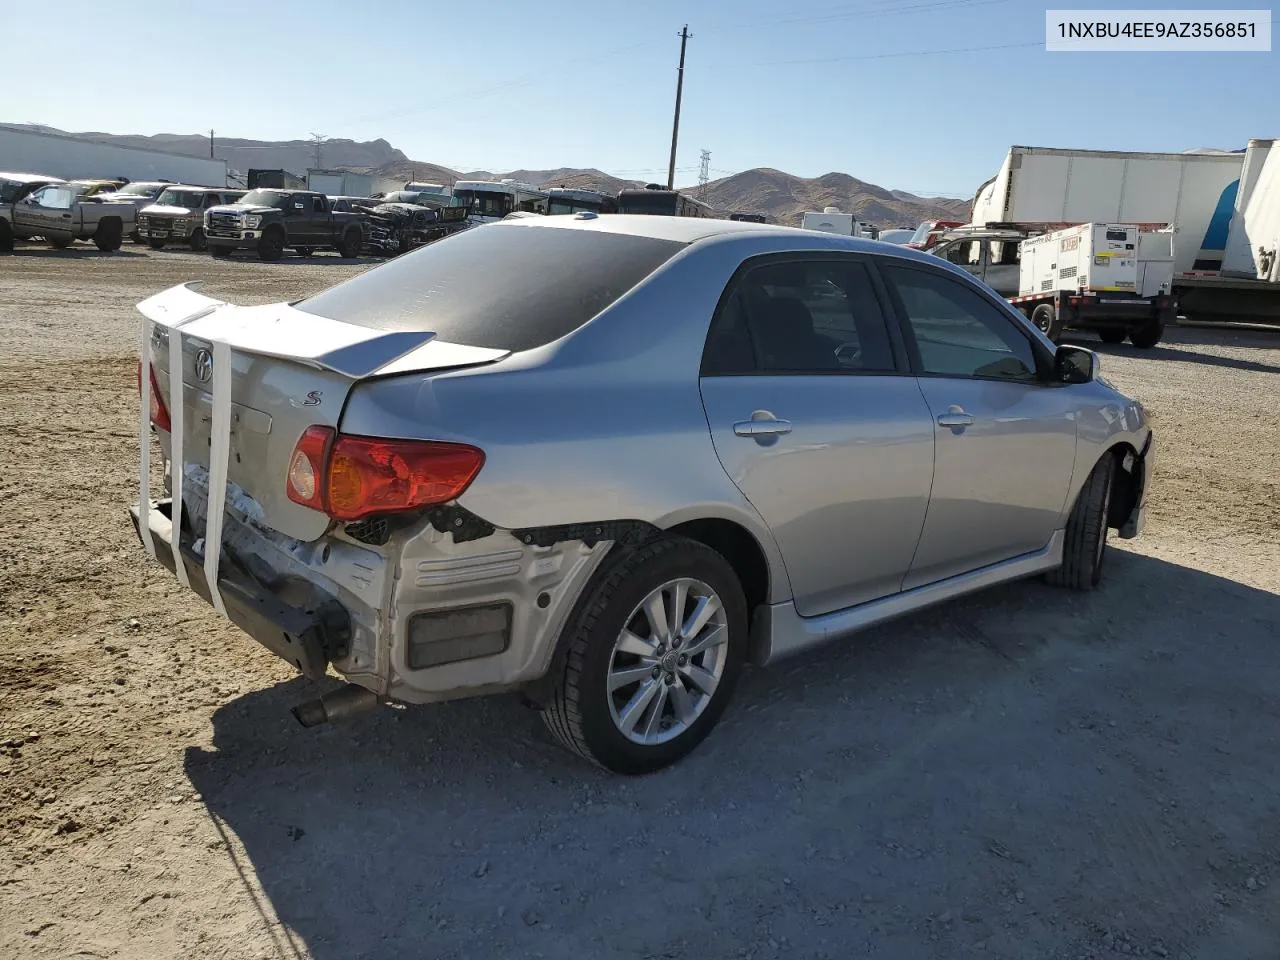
column 452, row 289
column 922, row 232
column 654, row 202
column 149, row 190
column 561, row 205
column 486, row 203
column 10, row 190
column 81, row 189
column 180, row 198
column 265, row 198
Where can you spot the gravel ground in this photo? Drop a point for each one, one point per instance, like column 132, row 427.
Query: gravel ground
column 1026, row 773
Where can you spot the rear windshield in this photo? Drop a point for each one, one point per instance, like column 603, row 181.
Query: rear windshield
column 499, row 286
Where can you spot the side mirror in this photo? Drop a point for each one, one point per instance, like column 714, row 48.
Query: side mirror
column 1074, row 364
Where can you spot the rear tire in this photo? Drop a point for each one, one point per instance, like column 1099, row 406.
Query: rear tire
column 1147, row 337
column 349, row 247
column 109, row 236
column 1046, row 318
column 6, row 237
column 1085, row 546
column 615, row 657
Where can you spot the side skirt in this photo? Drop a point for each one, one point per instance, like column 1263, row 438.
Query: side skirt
column 779, row 632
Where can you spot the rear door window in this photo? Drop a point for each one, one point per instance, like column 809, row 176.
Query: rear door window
column 501, row 286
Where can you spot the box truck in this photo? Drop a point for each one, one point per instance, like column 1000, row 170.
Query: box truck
column 1194, row 193
column 1108, row 277
column 831, row 220
column 340, row 183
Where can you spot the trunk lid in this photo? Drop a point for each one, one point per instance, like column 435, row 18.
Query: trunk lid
column 289, row 370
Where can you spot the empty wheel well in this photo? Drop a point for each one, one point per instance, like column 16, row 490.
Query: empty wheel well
column 739, row 547
column 1124, row 486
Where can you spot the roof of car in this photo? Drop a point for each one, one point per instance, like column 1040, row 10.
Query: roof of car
column 29, row 177
column 693, row 229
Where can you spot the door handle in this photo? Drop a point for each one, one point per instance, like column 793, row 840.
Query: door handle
column 955, row 417
column 762, row 427
column 66, row 216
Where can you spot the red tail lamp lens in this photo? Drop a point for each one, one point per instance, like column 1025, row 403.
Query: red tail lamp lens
column 368, row 476
column 350, row 478
column 159, row 412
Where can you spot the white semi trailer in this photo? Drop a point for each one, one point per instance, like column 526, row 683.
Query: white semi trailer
column 68, row 157
column 1221, row 208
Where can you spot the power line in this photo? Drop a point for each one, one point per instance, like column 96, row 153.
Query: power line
column 860, row 11
column 902, row 53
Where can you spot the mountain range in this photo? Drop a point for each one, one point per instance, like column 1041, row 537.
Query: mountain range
column 781, row 196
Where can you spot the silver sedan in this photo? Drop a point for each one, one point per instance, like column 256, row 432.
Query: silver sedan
column 606, row 461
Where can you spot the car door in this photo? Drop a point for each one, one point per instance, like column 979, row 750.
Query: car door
column 48, row 212
column 1005, row 433
column 1000, row 266
column 965, row 254
column 319, row 229
column 816, row 419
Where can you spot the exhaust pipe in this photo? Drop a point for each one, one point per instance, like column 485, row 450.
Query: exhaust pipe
column 347, row 701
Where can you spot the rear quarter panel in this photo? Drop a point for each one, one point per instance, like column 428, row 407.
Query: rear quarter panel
column 605, row 424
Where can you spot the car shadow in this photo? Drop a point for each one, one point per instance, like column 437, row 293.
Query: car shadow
column 872, row 784
column 1167, row 349
column 71, row 253
column 318, row 260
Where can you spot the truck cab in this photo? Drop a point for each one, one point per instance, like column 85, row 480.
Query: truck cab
column 990, row 255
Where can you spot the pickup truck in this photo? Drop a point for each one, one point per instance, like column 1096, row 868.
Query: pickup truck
column 269, row 221
column 58, row 214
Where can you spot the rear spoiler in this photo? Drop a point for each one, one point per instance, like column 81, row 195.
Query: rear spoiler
column 275, row 330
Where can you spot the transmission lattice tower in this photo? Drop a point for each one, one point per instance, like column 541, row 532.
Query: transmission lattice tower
column 704, row 171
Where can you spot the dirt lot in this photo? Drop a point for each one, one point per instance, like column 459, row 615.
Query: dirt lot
column 1028, row 773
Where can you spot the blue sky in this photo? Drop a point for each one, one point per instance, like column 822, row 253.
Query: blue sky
column 810, row 88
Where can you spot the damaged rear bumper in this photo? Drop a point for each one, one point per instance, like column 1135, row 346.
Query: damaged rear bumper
column 306, row 638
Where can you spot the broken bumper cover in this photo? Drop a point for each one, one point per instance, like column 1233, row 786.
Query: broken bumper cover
column 302, row 637
column 1143, row 466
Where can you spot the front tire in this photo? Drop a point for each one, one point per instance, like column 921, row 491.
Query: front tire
column 6, row 237
column 634, row 694
column 198, row 243
column 271, row 246
column 1085, row 546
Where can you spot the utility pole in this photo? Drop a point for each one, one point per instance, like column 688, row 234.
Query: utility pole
column 210, row 144
column 704, row 172
column 675, row 126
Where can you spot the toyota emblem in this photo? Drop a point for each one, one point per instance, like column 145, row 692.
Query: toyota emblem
column 204, row 365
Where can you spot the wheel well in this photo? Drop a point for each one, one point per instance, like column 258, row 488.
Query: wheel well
column 1123, row 486
column 739, row 547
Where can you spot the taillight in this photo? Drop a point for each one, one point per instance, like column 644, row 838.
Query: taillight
column 306, row 467
column 350, row 478
column 159, row 412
